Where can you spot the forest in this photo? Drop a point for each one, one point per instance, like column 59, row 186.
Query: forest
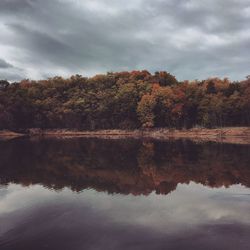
column 124, row 100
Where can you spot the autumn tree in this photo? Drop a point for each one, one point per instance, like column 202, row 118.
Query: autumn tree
column 145, row 110
column 125, row 100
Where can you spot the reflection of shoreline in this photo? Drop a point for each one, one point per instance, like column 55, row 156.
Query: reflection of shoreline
column 238, row 135
column 123, row 166
column 6, row 134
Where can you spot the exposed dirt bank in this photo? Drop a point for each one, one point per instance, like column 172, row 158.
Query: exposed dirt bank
column 228, row 134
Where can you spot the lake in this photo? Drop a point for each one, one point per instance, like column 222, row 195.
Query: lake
column 76, row 194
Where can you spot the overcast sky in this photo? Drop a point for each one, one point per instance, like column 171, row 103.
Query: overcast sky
column 193, row 39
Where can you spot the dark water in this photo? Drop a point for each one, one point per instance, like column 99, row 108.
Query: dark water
column 93, row 194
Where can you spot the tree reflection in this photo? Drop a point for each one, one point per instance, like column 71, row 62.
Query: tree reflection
column 122, row 166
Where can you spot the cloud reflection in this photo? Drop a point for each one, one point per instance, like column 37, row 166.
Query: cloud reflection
column 193, row 217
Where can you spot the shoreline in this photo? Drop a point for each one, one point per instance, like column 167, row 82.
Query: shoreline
column 239, row 135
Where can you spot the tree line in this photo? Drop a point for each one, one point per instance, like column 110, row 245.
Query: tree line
column 124, row 100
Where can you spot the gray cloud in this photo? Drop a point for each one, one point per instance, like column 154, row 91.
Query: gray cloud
column 8, row 71
column 4, row 64
column 192, row 39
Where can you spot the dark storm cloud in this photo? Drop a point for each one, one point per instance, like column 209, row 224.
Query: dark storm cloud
column 192, row 39
column 8, row 71
column 4, row 64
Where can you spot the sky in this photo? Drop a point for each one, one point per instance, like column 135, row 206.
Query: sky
column 192, row 39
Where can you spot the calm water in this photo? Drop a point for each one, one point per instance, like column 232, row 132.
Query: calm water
column 93, row 194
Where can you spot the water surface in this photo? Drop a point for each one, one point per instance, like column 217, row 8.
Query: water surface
column 123, row 194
